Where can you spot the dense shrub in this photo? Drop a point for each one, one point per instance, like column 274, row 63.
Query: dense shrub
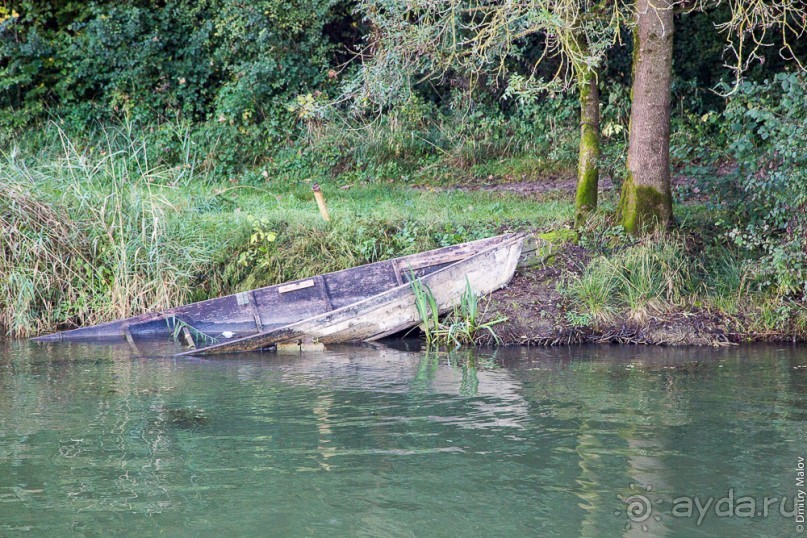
column 769, row 206
column 228, row 61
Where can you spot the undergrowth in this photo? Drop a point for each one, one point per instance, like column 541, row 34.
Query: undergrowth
column 120, row 219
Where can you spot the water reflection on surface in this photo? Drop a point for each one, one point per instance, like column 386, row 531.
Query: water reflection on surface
column 99, row 440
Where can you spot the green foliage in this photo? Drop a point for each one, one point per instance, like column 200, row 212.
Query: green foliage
column 42, row 265
column 614, row 124
column 427, row 308
column 698, row 50
column 478, row 47
column 768, row 204
column 99, row 58
column 270, row 53
column 465, row 325
column 232, row 64
column 421, row 142
column 177, row 326
column 578, row 320
column 641, row 279
column 91, row 238
column 261, row 245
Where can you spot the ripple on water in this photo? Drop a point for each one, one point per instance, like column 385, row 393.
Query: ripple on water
column 102, row 440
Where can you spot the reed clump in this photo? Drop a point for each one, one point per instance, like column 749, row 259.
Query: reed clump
column 88, row 237
column 464, row 325
column 642, row 279
column 44, row 262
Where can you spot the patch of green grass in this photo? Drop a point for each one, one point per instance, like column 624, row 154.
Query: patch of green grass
column 634, row 278
column 593, row 295
column 399, row 203
column 726, row 281
column 530, row 167
column 645, row 278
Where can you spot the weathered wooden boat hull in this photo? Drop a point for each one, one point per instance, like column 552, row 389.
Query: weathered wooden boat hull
column 393, row 310
column 277, row 306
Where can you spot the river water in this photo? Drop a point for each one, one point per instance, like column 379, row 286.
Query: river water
column 100, row 440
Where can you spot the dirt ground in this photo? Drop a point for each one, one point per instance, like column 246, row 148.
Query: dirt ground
column 558, row 184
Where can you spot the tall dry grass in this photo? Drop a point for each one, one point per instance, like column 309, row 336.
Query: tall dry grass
column 88, row 236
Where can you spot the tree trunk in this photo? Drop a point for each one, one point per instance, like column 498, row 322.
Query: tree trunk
column 646, row 200
column 588, row 171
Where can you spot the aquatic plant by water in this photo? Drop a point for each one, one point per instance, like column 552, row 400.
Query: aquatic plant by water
column 428, row 310
column 178, row 326
column 465, row 325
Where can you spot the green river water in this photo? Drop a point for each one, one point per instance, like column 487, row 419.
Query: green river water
column 99, row 440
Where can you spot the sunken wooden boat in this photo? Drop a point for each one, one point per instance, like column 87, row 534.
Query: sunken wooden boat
column 359, row 304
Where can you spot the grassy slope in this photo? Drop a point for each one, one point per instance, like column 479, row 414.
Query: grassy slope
column 145, row 236
column 140, row 236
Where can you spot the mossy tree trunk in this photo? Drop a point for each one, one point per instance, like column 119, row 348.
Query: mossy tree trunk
column 588, row 172
column 646, row 200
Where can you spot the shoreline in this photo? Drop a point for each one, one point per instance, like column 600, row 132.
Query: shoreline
column 538, row 313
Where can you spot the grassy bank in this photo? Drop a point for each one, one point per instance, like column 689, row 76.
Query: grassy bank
column 103, row 226
column 682, row 289
column 95, row 231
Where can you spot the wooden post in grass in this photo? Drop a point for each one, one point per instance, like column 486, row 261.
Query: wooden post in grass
column 323, row 209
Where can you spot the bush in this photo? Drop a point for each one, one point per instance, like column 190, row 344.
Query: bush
column 238, row 64
column 768, row 208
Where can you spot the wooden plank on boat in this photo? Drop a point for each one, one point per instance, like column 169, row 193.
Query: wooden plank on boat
column 397, row 270
column 324, row 293
column 301, row 345
column 296, row 286
column 366, row 281
column 256, row 312
column 128, row 334
column 446, row 255
column 186, row 336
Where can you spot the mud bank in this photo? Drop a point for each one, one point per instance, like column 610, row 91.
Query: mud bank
column 538, row 313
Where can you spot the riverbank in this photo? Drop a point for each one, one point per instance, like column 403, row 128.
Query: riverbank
column 93, row 232
column 549, row 304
